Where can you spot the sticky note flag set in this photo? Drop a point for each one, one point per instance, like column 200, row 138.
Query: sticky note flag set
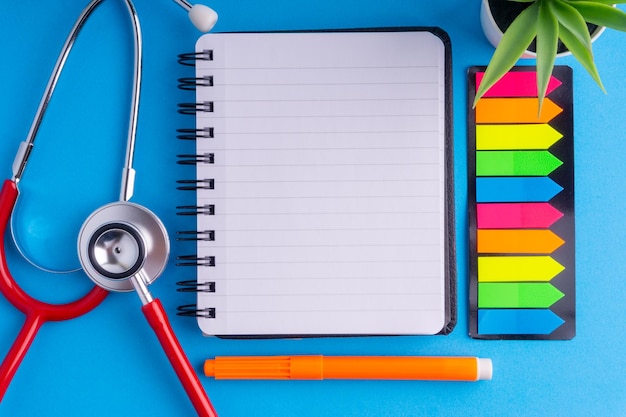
column 521, row 207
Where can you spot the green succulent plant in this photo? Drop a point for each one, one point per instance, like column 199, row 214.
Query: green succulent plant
column 549, row 21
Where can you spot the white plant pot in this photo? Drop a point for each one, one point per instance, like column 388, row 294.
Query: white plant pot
column 494, row 34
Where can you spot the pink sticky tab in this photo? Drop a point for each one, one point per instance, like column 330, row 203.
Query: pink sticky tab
column 517, row 84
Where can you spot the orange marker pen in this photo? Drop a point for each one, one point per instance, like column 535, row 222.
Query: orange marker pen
column 426, row 368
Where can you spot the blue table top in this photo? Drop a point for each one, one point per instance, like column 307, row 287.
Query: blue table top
column 108, row 362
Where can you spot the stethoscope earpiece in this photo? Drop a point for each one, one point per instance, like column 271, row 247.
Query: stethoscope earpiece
column 202, row 17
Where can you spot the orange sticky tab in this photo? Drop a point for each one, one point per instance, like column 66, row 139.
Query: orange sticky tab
column 515, row 110
column 517, row 241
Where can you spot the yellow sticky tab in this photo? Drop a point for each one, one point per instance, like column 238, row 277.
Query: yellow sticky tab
column 517, row 268
column 515, row 136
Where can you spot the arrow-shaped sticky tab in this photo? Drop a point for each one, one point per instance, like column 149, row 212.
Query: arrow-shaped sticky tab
column 532, row 241
column 515, row 189
column 515, row 110
column 516, row 215
column 517, row 321
column 517, row 84
column 516, row 136
column 517, row 268
column 517, row 295
column 515, row 163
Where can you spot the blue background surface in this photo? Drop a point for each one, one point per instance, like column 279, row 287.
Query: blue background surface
column 108, row 362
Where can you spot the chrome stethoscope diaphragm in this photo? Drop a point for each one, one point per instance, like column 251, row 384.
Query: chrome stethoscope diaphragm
column 121, row 240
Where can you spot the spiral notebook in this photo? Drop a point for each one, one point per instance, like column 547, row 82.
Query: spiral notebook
column 324, row 183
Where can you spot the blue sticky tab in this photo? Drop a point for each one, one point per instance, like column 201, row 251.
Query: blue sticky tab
column 515, row 189
column 517, row 321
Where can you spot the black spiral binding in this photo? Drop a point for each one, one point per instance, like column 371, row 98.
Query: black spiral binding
column 205, row 158
column 190, row 83
column 194, row 134
column 193, row 108
column 191, row 58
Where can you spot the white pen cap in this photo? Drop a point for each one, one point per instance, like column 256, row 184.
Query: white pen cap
column 484, row 369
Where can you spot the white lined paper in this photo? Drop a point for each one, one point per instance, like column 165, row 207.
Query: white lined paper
column 329, row 183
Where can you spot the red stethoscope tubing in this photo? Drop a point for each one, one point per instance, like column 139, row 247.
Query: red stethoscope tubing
column 37, row 312
column 155, row 314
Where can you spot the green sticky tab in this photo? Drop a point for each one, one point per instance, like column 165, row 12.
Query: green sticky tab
column 515, row 163
column 517, row 295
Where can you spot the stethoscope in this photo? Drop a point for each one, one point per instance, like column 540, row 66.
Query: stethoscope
column 122, row 246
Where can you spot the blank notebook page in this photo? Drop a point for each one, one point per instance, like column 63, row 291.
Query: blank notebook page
column 328, row 184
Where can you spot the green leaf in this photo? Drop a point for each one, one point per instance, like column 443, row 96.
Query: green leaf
column 602, row 14
column 610, row 2
column 569, row 18
column 547, row 45
column 514, row 42
column 581, row 53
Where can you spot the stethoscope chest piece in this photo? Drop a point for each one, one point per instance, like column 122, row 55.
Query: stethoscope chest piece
column 120, row 240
